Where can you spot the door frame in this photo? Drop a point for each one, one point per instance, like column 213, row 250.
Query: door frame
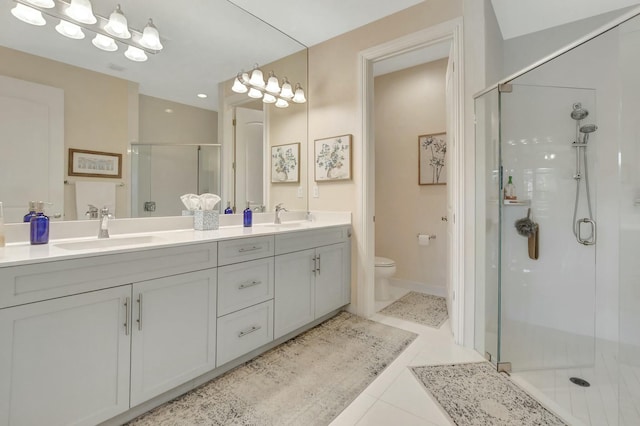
column 446, row 31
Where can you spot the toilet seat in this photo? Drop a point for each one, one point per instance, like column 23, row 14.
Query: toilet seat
column 383, row 262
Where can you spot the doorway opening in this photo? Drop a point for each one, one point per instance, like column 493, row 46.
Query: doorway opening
column 450, row 32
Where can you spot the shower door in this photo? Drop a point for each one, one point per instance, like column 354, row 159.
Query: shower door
column 547, row 305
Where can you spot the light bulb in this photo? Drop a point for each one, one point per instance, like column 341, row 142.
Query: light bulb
column 254, row 93
column 70, row 30
column 299, row 95
column 281, row 103
column 117, row 25
column 256, row 78
column 238, row 87
column 45, row 4
column 150, row 37
column 272, row 84
column 269, row 99
column 135, row 54
column 286, row 91
column 28, row 14
column 103, row 42
column 81, row 11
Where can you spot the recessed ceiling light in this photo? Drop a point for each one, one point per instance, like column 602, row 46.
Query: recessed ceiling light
column 202, row 95
column 168, row 110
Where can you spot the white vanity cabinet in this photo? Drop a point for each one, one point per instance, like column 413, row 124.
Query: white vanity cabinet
column 173, row 332
column 245, row 296
column 65, row 361
column 312, row 275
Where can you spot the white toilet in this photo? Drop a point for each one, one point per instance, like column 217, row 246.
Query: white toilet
column 385, row 269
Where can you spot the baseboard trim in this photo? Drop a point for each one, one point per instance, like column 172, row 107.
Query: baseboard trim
column 419, row 287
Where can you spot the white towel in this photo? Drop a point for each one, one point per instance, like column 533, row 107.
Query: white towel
column 99, row 194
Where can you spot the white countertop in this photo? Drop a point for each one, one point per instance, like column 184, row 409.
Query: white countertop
column 22, row 253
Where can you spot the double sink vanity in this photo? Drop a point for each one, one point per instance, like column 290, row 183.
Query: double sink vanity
column 98, row 331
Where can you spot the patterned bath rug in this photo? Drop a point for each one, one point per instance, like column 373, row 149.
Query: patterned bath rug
column 307, row 380
column 475, row 394
column 421, row 308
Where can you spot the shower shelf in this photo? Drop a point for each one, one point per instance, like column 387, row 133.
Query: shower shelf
column 517, row 202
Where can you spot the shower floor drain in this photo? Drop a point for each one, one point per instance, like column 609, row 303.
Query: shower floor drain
column 580, row 382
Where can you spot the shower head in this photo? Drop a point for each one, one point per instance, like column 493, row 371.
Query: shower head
column 586, row 129
column 578, row 112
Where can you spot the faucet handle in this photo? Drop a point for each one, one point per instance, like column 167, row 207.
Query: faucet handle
column 280, row 206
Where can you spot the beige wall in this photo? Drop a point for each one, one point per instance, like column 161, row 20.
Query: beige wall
column 184, row 125
column 409, row 103
column 333, row 100
column 96, row 112
column 288, row 125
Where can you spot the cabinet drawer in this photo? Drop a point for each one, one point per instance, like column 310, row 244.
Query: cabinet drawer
column 41, row 281
column 243, row 331
column 303, row 240
column 243, row 249
column 244, row 284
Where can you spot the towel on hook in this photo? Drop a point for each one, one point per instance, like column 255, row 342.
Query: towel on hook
column 99, row 194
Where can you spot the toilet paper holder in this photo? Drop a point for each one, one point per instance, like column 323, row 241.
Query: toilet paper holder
column 431, row 237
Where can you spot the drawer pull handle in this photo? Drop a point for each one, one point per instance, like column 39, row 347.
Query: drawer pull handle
column 139, row 312
column 249, row 331
column 248, row 284
column 126, row 316
column 253, row 248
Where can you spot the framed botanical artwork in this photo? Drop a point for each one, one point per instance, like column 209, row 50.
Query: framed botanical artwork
column 94, row 163
column 285, row 163
column 432, row 150
column 333, row 158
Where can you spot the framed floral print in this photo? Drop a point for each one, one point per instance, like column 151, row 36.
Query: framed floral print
column 285, row 163
column 333, row 158
column 432, row 150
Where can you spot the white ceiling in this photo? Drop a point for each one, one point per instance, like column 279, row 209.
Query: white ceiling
column 520, row 17
column 206, row 41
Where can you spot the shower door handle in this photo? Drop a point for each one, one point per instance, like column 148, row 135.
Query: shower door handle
column 591, row 239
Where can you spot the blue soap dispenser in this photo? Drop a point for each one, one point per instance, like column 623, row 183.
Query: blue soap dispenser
column 32, row 212
column 247, row 216
column 39, row 225
column 228, row 210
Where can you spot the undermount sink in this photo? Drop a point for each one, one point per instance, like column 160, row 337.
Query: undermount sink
column 109, row 242
column 283, row 225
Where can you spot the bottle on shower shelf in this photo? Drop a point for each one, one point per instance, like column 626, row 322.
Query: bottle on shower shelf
column 510, row 190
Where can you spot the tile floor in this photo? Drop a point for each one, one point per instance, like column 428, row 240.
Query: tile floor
column 396, row 397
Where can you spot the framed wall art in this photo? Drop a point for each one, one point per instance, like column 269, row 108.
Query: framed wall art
column 94, row 163
column 333, row 158
column 285, row 163
column 432, row 150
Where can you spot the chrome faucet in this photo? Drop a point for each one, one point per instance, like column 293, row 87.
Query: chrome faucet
column 92, row 212
column 279, row 209
column 103, row 232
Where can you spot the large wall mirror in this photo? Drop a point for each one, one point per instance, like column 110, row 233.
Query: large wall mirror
column 58, row 93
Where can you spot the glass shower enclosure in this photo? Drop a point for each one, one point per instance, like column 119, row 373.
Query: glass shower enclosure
column 557, row 279
column 161, row 173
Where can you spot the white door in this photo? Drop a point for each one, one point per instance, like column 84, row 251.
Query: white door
column 249, row 160
column 31, row 135
column 65, row 361
column 452, row 260
column 331, row 278
column 294, row 294
column 174, row 332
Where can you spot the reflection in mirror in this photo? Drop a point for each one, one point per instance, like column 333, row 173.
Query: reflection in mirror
column 113, row 105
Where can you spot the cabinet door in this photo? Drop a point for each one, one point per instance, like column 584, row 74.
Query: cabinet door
column 174, row 332
column 294, row 295
column 65, row 361
column 332, row 278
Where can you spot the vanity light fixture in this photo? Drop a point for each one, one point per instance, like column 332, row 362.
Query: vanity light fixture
column 271, row 92
column 78, row 15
